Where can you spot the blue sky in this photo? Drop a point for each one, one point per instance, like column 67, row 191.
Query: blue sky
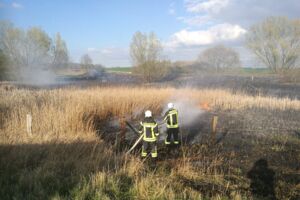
column 94, row 23
column 104, row 29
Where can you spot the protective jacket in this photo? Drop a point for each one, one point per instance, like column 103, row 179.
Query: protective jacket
column 171, row 118
column 149, row 129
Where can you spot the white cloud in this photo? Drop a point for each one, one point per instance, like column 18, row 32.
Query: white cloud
column 210, row 6
column 244, row 13
column 16, row 5
column 218, row 33
column 196, row 20
column 203, row 11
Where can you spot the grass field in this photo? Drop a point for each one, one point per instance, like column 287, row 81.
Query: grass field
column 246, row 71
column 66, row 156
column 119, row 69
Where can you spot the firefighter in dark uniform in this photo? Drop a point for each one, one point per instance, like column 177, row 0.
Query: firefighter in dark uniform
column 171, row 119
column 149, row 128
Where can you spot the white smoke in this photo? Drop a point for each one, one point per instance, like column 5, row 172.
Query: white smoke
column 37, row 76
column 188, row 111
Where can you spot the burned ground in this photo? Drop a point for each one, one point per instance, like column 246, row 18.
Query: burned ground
column 243, row 139
column 265, row 85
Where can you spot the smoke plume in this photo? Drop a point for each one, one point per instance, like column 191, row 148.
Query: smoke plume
column 188, row 111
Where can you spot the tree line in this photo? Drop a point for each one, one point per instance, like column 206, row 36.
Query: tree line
column 28, row 49
column 275, row 41
column 32, row 49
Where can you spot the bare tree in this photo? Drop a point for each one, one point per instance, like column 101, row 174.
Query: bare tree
column 38, row 46
column 29, row 51
column 9, row 39
column 276, row 42
column 60, row 52
column 138, row 49
column 146, row 55
column 219, row 58
column 86, row 61
column 25, row 49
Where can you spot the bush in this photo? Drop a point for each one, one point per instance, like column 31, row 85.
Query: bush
column 291, row 76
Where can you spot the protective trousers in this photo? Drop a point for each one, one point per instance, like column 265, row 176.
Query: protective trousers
column 149, row 147
column 172, row 132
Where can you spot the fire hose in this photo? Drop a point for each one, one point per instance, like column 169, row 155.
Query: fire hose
column 138, row 133
column 132, row 128
column 134, row 145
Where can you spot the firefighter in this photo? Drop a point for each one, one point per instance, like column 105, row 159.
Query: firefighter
column 171, row 119
column 149, row 129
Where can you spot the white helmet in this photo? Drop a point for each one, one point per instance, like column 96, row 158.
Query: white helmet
column 170, row 105
column 148, row 113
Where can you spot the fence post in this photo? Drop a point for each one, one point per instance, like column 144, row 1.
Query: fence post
column 29, row 124
column 214, row 122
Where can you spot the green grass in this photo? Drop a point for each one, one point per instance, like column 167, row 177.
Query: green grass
column 241, row 71
column 119, row 69
column 256, row 70
column 247, row 72
column 70, row 72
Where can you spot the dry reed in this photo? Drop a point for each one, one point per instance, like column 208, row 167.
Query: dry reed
column 69, row 114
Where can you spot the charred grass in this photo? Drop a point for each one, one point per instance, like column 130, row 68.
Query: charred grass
column 68, row 155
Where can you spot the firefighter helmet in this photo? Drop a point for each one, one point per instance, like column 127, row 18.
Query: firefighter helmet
column 170, row 105
column 148, row 113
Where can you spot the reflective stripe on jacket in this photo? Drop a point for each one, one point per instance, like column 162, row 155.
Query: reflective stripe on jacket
column 171, row 118
column 149, row 130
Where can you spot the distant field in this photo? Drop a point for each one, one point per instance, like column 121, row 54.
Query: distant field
column 71, row 72
column 242, row 71
column 119, row 69
column 256, row 70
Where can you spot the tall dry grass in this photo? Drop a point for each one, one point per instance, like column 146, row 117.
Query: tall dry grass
column 70, row 114
column 64, row 158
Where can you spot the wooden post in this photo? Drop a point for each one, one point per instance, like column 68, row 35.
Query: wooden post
column 214, row 122
column 29, row 124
